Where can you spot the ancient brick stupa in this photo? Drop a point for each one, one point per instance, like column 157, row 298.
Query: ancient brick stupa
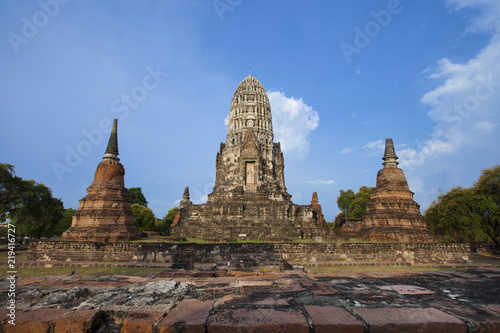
column 105, row 215
column 249, row 199
column 391, row 214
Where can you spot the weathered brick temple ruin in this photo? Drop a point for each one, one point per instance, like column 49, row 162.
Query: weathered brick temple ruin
column 105, row 214
column 250, row 201
column 391, row 214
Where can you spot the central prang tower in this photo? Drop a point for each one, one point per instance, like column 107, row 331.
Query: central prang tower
column 249, row 161
column 249, row 199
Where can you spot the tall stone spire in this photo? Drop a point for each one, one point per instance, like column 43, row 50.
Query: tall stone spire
column 105, row 213
column 249, row 160
column 249, row 199
column 390, row 158
column 112, row 148
column 250, row 111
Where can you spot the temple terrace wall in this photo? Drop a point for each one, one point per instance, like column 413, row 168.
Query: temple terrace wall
column 403, row 253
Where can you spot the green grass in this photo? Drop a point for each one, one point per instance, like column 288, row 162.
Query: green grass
column 248, row 241
column 354, row 240
column 305, row 240
column 84, row 271
column 372, row 269
column 20, row 255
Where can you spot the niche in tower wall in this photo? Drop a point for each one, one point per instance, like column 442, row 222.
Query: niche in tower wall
column 250, row 173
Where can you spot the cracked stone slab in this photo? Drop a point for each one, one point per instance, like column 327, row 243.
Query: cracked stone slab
column 408, row 290
column 430, row 320
column 249, row 283
column 36, row 320
column 190, row 315
column 138, row 322
column 154, row 287
column 79, row 321
column 259, row 320
column 332, row 319
column 242, row 300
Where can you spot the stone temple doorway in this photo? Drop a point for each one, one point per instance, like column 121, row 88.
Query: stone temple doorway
column 250, row 177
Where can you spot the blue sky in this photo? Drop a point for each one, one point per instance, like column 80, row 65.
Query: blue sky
column 341, row 75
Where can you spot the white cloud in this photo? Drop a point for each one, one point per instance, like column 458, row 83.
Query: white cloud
column 321, row 182
column 293, row 122
column 489, row 20
column 410, row 158
column 464, row 105
column 375, row 147
column 484, row 127
column 346, row 150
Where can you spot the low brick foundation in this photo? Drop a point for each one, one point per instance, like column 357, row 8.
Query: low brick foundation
column 405, row 253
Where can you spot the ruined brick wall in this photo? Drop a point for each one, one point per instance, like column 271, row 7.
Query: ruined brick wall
column 414, row 254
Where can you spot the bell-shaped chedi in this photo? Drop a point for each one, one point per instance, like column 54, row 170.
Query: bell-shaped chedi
column 105, row 214
column 249, row 199
column 391, row 214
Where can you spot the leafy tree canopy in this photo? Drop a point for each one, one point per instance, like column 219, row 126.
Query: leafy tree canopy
column 345, row 200
column 136, row 196
column 468, row 214
column 360, row 200
column 169, row 217
column 28, row 204
column 352, row 205
column 65, row 222
column 144, row 217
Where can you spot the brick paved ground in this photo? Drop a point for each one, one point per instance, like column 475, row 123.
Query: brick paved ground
column 438, row 301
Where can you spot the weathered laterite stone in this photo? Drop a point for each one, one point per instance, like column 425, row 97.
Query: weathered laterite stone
column 391, row 214
column 105, row 214
column 249, row 199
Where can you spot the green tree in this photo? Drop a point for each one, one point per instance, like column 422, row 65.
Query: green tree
column 30, row 205
column 136, row 196
column 11, row 187
column 163, row 225
column 144, row 217
column 360, row 200
column 344, row 202
column 38, row 211
column 65, row 222
column 454, row 216
column 169, row 218
column 469, row 214
column 488, row 186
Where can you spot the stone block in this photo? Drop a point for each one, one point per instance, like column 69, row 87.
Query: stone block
column 495, row 308
column 430, row 320
column 189, row 316
column 408, row 290
column 84, row 321
column 140, row 322
column 36, row 321
column 258, row 320
column 331, row 319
